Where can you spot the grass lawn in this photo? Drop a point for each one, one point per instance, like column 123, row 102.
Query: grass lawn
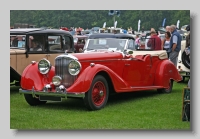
column 139, row 110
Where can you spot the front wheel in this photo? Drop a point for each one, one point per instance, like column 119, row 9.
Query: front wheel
column 33, row 101
column 97, row 96
column 167, row 90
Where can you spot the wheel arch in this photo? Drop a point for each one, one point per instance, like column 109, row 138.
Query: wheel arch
column 109, row 81
column 166, row 71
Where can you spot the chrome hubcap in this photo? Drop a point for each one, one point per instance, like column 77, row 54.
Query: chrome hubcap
column 101, row 93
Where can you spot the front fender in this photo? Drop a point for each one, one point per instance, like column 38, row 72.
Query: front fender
column 166, row 70
column 31, row 77
column 84, row 81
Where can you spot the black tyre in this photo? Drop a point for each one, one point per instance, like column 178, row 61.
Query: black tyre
column 97, row 96
column 185, row 59
column 166, row 90
column 33, row 101
column 17, row 83
column 183, row 79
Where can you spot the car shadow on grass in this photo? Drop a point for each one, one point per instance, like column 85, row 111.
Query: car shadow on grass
column 14, row 89
column 130, row 96
column 73, row 104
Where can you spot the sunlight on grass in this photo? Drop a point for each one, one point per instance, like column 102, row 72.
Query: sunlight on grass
column 139, row 110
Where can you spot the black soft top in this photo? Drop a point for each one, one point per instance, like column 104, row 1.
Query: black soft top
column 111, row 35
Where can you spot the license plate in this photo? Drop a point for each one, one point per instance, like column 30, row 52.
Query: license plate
column 50, row 98
column 188, row 73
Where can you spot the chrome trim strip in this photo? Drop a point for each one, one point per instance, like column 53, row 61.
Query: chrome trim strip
column 58, row 94
column 67, row 56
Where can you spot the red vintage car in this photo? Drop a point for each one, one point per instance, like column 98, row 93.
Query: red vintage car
column 94, row 75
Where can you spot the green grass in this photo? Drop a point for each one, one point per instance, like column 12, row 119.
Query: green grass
column 146, row 110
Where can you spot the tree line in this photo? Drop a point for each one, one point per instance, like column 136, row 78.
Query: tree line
column 92, row 18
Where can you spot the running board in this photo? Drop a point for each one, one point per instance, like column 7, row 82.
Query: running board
column 139, row 88
column 146, row 87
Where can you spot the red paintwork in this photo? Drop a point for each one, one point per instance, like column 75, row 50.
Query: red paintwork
column 32, row 77
column 140, row 73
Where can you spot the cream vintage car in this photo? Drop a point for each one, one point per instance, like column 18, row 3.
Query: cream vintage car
column 33, row 44
column 183, row 64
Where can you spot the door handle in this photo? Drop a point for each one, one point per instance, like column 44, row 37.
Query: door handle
column 48, row 54
column 127, row 64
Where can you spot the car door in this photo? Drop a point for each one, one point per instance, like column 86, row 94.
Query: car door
column 58, row 44
column 137, row 71
column 26, row 57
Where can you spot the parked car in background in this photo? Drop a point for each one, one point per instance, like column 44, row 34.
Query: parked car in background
column 95, row 75
column 183, row 63
column 95, row 29
column 79, row 42
column 32, row 44
column 86, row 32
column 72, row 33
column 111, row 35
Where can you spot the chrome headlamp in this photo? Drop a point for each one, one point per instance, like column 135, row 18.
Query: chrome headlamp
column 74, row 67
column 44, row 66
column 56, row 80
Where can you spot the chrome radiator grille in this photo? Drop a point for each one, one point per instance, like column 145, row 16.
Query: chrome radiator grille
column 61, row 69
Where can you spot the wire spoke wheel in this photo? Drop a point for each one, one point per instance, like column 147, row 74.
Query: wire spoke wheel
column 98, row 93
column 97, row 96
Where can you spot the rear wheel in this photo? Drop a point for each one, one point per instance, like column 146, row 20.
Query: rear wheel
column 166, row 90
column 33, row 101
column 186, row 59
column 183, row 79
column 97, row 96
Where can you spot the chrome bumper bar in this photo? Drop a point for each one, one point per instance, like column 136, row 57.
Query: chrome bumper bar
column 56, row 94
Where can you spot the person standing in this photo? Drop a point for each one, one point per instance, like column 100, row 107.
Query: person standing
column 133, row 32
column 142, row 29
column 166, row 42
column 148, row 35
column 137, row 41
column 168, row 29
column 154, row 41
column 125, row 31
column 175, row 45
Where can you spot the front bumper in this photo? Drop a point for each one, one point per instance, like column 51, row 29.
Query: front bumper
column 55, row 94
